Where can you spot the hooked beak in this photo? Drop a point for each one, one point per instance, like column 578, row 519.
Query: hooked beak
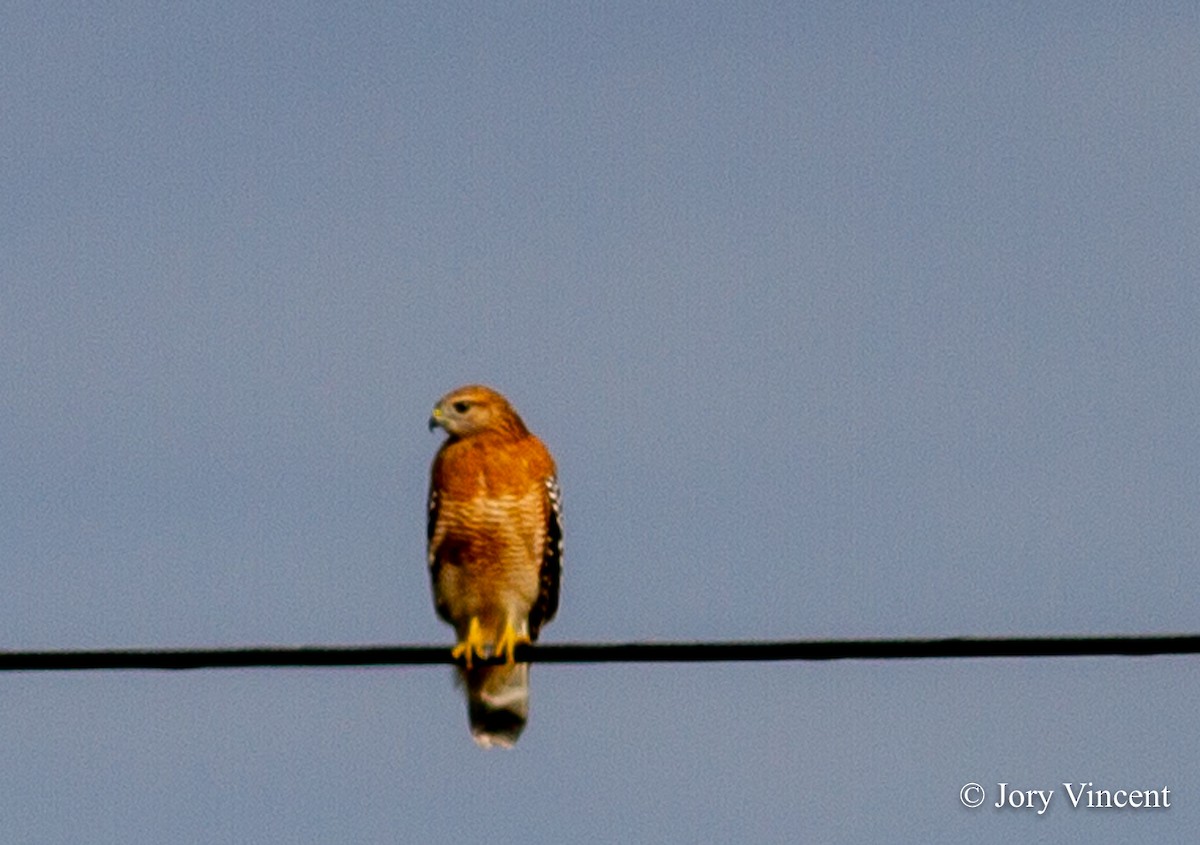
column 435, row 419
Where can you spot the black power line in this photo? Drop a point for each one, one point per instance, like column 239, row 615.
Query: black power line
column 665, row 652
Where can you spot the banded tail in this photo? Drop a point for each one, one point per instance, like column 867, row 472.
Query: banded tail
column 497, row 703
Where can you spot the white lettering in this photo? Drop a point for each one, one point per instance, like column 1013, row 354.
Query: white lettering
column 1045, row 795
column 1017, row 798
column 1108, row 799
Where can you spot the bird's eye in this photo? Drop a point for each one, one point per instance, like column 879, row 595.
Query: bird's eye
column 461, row 407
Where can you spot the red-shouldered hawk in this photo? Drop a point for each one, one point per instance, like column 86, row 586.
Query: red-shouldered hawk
column 495, row 550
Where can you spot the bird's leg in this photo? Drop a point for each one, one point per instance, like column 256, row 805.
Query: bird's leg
column 509, row 640
column 471, row 647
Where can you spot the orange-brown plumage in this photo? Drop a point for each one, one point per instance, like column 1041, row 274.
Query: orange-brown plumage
column 495, row 547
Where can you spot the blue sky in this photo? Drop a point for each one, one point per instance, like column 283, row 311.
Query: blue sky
column 841, row 320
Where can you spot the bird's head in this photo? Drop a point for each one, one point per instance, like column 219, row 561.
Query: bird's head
column 474, row 409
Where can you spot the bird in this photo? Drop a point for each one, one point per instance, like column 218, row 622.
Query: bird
column 495, row 551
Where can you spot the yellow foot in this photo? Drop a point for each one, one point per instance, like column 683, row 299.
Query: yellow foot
column 509, row 640
column 473, row 646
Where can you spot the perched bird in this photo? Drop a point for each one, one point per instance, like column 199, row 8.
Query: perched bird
column 495, row 550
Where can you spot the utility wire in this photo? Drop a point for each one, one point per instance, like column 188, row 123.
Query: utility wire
column 662, row 652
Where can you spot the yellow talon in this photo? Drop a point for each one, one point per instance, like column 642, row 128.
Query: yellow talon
column 509, row 640
column 471, row 647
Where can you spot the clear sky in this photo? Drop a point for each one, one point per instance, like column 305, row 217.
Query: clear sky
column 842, row 320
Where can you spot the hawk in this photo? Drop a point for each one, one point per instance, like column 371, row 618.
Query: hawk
column 495, row 550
